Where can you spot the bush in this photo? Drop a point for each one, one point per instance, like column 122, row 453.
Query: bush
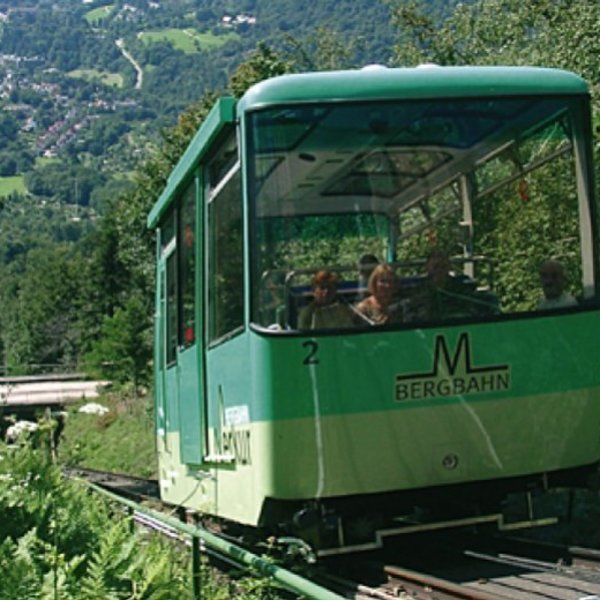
column 62, row 542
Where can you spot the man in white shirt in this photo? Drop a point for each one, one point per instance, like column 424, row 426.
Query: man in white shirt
column 554, row 280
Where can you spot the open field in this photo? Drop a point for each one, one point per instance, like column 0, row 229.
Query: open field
column 187, row 40
column 99, row 13
column 111, row 79
column 12, row 184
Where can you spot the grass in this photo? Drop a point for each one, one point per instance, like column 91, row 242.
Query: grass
column 122, row 440
column 8, row 185
column 43, row 161
column 97, row 14
column 110, row 79
column 187, row 40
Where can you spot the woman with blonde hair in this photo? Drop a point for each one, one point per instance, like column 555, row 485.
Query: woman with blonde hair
column 382, row 306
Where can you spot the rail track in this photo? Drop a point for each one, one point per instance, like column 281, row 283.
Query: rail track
column 472, row 567
column 463, row 565
column 133, row 488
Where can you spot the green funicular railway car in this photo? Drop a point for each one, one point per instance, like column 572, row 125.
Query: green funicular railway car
column 305, row 392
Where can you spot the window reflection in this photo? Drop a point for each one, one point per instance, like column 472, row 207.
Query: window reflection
column 489, row 187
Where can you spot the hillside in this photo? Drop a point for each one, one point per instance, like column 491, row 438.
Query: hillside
column 86, row 89
column 94, row 79
column 87, row 86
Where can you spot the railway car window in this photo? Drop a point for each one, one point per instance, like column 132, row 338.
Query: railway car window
column 225, row 246
column 169, row 253
column 167, row 230
column 187, row 232
column 465, row 198
column 171, row 322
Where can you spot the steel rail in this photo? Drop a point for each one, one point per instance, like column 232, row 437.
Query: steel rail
column 287, row 579
column 453, row 590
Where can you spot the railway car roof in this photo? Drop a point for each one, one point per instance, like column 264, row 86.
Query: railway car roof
column 426, row 81
column 370, row 83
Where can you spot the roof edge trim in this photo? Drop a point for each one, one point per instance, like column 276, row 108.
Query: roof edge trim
column 221, row 114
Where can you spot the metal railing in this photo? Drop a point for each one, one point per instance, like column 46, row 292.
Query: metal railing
column 198, row 536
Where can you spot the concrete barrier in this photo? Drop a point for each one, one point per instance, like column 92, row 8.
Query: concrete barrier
column 48, row 393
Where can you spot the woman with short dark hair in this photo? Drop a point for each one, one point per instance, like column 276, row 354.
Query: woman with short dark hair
column 325, row 311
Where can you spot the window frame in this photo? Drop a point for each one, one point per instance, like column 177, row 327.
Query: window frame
column 212, row 192
column 577, row 110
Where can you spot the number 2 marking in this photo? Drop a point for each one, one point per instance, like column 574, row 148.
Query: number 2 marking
column 311, row 358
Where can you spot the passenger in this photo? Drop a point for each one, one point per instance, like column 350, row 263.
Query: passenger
column 366, row 264
column 446, row 295
column 325, row 311
column 554, row 280
column 382, row 306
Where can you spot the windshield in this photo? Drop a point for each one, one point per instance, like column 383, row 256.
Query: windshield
column 412, row 212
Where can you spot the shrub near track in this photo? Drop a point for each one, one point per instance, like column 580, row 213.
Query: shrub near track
column 60, row 541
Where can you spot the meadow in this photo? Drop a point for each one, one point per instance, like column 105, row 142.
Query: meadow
column 110, row 79
column 187, row 40
column 8, row 185
column 97, row 14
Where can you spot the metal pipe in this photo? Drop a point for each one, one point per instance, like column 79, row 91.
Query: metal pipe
column 286, row 578
column 196, row 568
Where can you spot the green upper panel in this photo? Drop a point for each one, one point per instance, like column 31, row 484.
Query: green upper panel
column 428, row 81
column 222, row 113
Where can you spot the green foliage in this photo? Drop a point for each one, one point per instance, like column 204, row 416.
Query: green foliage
column 263, row 63
column 72, row 184
column 61, row 542
column 323, row 50
column 124, row 346
column 9, row 127
column 547, row 33
column 19, row 575
column 34, row 496
column 39, row 320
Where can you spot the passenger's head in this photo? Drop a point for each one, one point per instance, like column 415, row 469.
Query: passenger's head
column 324, row 285
column 438, row 267
column 383, row 282
column 366, row 264
column 553, row 278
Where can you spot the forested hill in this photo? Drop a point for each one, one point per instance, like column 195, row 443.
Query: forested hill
column 94, row 81
column 86, row 87
column 182, row 46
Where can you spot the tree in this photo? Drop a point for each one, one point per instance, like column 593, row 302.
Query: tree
column 262, row 64
column 9, row 127
column 8, row 165
column 549, row 33
column 39, row 317
column 123, row 349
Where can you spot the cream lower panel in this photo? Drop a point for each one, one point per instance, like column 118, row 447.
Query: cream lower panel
column 232, row 489
column 392, row 450
column 435, row 445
